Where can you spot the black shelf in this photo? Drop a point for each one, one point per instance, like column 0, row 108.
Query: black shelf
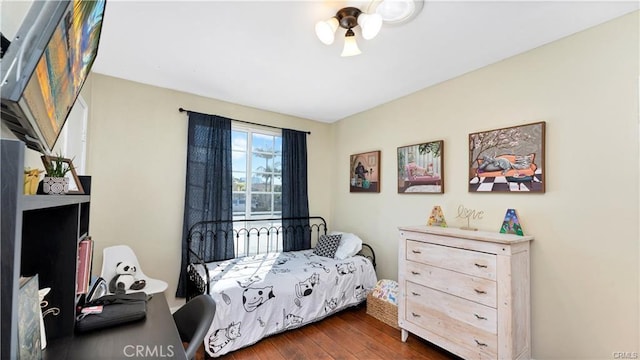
column 40, row 235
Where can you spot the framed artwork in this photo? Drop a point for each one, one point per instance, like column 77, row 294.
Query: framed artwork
column 75, row 187
column 364, row 170
column 421, row 168
column 29, row 340
column 508, row 160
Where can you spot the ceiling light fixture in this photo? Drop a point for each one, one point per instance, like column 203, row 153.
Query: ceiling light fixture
column 348, row 18
column 396, row 11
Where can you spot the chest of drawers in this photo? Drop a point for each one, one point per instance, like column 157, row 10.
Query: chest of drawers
column 466, row 291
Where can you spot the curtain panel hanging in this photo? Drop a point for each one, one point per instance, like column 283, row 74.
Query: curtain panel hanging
column 295, row 200
column 209, row 185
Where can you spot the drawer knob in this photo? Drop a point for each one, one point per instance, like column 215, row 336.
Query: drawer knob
column 415, row 272
column 416, row 251
column 480, row 291
column 415, row 315
column 481, row 266
column 415, row 293
column 480, row 317
column 480, row 343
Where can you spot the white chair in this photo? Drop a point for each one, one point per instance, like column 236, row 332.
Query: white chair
column 112, row 255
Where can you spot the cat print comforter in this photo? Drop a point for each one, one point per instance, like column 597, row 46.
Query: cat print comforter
column 261, row 295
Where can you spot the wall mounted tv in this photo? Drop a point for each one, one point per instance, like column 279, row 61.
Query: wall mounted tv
column 45, row 67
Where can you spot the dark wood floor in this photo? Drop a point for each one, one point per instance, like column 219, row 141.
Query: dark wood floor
column 350, row 334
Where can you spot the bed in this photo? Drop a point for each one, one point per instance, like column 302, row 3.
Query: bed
column 263, row 290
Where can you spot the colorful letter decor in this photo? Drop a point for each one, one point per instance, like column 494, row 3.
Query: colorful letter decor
column 437, row 217
column 511, row 223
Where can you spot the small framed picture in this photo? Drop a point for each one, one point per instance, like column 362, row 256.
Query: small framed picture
column 365, row 172
column 75, row 187
column 29, row 317
column 421, row 168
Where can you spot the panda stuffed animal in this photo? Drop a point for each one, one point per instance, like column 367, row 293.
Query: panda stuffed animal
column 125, row 279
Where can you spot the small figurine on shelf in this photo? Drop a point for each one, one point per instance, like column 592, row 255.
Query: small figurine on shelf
column 31, row 180
column 437, row 217
column 511, row 223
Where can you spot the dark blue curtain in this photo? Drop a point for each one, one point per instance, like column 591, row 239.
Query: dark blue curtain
column 208, row 185
column 295, row 201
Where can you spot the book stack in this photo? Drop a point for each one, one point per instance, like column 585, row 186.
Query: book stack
column 85, row 258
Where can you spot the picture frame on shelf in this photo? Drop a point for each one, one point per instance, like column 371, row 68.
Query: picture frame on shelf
column 421, row 168
column 510, row 159
column 29, row 314
column 75, row 186
column 364, row 170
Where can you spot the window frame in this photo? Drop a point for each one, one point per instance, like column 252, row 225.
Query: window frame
column 249, row 174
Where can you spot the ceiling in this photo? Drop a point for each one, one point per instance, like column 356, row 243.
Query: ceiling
column 265, row 54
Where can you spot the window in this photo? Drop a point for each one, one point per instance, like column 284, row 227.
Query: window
column 257, row 186
column 257, row 173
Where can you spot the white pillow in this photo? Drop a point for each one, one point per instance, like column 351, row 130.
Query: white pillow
column 350, row 245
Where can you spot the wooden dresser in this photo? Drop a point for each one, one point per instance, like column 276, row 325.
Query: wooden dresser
column 466, row 291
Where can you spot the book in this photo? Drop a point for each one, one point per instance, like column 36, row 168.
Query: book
column 29, row 319
column 85, row 258
column 511, row 223
column 437, row 217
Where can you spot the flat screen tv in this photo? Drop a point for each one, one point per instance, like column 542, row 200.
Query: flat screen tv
column 45, row 67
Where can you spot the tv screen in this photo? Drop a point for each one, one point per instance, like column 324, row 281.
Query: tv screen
column 46, row 66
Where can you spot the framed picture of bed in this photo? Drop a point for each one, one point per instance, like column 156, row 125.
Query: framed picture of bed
column 421, row 168
column 364, row 170
column 510, row 159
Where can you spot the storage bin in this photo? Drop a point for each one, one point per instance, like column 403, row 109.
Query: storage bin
column 383, row 311
column 380, row 303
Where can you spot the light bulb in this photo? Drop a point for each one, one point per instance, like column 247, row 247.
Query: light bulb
column 350, row 44
column 370, row 24
column 325, row 30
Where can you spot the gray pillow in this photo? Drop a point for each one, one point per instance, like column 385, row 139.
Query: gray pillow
column 327, row 245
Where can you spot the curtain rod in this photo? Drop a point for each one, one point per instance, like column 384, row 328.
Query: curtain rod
column 246, row 122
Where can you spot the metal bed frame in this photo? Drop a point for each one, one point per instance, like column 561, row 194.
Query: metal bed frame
column 249, row 238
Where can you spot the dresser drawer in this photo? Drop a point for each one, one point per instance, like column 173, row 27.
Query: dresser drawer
column 465, row 335
column 465, row 261
column 473, row 288
column 433, row 301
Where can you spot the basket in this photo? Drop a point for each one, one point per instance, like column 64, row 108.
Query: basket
column 383, row 311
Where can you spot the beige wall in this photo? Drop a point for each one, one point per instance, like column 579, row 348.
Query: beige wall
column 586, row 251
column 137, row 158
column 585, row 281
